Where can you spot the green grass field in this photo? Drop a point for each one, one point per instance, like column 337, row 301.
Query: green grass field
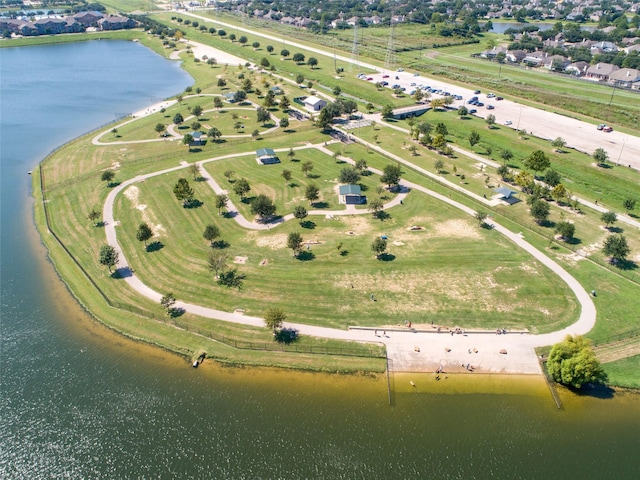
column 451, row 273
column 624, row 372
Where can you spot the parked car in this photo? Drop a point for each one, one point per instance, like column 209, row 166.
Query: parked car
column 370, row 79
column 490, row 107
column 607, row 129
column 508, row 122
column 491, row 95
column 384, row 84
column 400, row 69
column 472, row 100
column 601, row 126
column 472, row 111
column 499, row 98
column 385, row 76
column 479, row 104
column 477, row 92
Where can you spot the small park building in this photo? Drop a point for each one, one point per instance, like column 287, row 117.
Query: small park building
column 314, row 103
column 351, row 195
column 266, row 156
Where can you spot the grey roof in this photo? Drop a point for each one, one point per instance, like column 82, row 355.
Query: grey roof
column 350, row 190
column 265, row 152
column 505, row 192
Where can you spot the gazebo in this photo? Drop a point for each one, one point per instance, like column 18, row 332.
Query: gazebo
column 507, row 195
column 351, row 195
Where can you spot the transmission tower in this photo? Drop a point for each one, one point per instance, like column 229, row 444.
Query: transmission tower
column 354, row 49
column 390, row 57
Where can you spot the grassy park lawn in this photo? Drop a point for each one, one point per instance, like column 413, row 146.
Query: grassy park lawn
column 624, row 373
column 479, row 279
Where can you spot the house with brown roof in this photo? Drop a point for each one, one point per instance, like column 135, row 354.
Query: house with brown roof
column 115, row 22
column 600, row 72
column 88, row 19
column 625, row 77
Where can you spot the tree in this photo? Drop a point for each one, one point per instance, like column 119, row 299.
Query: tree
column 187, row 140
column 178, row 119
column 144, row 233
column 211, row 232
column 361, row 165
column 160, row 128
column 306, row 168
column 506, row 154
column 221, row 83
column 286, row 174
column 439, row 165
column 108, row 256
column 566, row 230
column 284, row 104
column 262, row 206
column 442, row 129
column 285, row 53
column 609, row 218
column 291, row 153
column 312, row 193
column 616, row 247
column 298, row 57
column 552, row 178
column 196, row 111
column 107, row 176
column 601, row 157
column 537, row 161
column 463, row 111
column 242, row 40
column 391, row 176
column 387, row 111
column 375, row 207
column 337, row 91
column 349, row 175
column 439, row 142
column 114, row 131
column 300, row 212
column 284, row 122
column 217, row 261
column 214, row 134
column 559, row 193
column 490, row 120
column 629, row 204
column 274, row 318
column 294, row 242
column 217, row 103
column 269, row 99
column 558, row 144
column 312, row 62
column 481, row 216
column 263, row 115
column 573, row 363
column 270, row 49
column 474, row 138
column 183, row 191
column 247, row 85
column 228, row 174
column 94, row 215
column 240, row 96
column 221, row 201
column 540, row 211
column 325, row 119
column 241, row 187
column 167, row 302
column 379, row 246
column 255, row 45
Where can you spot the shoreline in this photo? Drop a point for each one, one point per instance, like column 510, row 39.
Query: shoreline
column 144, row 112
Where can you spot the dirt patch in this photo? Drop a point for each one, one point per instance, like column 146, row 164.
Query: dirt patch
column 239, row 311
column 264, row 262
column 240, row 260
column 132, row 194
column 415, row 228
column 457, row 229
column 357, row 225
column 274, row 242
column 398, row 244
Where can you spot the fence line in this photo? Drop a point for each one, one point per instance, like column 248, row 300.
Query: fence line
column 617, row 337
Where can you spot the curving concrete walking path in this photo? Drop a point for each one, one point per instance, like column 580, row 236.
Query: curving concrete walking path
column 408, row 349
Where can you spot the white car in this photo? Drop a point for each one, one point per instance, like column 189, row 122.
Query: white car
column 508, row 122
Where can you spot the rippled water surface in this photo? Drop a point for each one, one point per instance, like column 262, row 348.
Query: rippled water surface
column 78, row 401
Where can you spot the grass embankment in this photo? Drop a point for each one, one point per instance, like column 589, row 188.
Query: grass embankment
column 625, row 372
column 73, row 186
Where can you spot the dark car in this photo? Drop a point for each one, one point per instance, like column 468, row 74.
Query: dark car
column 477, row 92
column 472, row 111
column 499, row 98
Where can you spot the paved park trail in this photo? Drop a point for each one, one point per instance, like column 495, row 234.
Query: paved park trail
column 420, row 348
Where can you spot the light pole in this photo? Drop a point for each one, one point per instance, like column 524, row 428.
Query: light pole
column 621, row 149
column 519, row 116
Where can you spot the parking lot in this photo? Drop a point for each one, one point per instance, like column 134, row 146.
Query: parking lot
column 585, row 137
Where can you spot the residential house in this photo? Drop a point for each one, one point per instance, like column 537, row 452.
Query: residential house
column 601, row 72
column 115, row 22
column 493, row 53
column 314, row 103
column 625, row 77
column 88, row 19
column 579, row 69
column 351, row 195
column 557, row 63
column 51, row 26
column 535, row 59
column 516, row 56
column 603, row 47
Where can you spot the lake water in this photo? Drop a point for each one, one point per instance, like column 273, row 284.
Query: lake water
column 78, row 401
